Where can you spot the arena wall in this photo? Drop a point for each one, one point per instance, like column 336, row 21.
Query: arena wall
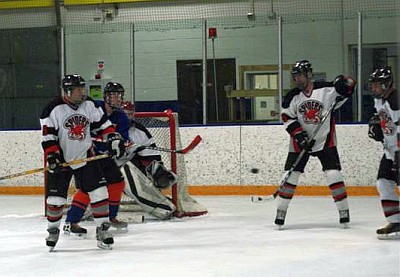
column 222, row 162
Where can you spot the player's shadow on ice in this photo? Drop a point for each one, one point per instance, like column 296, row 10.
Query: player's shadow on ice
column 315, row 226
column 78, row 250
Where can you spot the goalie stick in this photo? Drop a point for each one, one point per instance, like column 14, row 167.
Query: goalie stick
column 259, row 199
column 185, row 150
column 66, row 164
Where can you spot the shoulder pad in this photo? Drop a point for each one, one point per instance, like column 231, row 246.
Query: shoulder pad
column 318, row 85
column 289, row 97
column 50, row 107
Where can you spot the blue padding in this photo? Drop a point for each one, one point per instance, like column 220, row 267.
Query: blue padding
column 156, row 106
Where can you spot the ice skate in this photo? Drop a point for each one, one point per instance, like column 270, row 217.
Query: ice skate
column 344, row 218
column 121, row 226
column 74, row 228
column 280, row 218
column 51, row 240
column 390, row 231
column 104, row 238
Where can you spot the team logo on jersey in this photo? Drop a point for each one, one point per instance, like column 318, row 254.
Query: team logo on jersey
column 76, row 125
column 387, row 125
column 311, row 111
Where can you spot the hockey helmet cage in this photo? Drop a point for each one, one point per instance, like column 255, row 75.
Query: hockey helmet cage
column 69, row 82
column 383, row 75
column 113, row 95
column 302, row 67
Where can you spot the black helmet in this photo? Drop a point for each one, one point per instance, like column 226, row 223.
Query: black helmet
column 383, row 75
column 302, row 67
column 69, row 82
column 113, row 88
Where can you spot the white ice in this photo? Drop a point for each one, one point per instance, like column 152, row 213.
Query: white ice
column 236, row 238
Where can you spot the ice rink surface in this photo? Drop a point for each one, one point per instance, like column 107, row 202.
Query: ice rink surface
column 236, row 238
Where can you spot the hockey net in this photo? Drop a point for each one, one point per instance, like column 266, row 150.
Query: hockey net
column 164, row 127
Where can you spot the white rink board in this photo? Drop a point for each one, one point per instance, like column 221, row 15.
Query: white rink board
column 224, row 157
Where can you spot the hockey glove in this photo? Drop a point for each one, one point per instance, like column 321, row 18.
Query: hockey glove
column 302, row 140
column 374, row 128
column 115, row 145
column 54, row 161
column 161, row 176
column 344, row 85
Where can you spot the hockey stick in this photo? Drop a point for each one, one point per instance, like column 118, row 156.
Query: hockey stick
column 258, row 199
column 66, row 164
column 185, row 150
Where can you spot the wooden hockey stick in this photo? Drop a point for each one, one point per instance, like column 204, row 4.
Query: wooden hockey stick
column 42, row 169
column 259, row 199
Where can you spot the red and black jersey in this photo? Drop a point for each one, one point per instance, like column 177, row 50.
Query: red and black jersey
column 388, row 111
column 303, row 112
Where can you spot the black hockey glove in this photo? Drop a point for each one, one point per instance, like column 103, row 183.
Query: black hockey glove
column 54, row 161
column 161, row 176
column 115, row 145
column 344, row 85
column 303, row 142
column 374, row 128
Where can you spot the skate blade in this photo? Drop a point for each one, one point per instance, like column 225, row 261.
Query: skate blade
column 279, row 227
column 78, row 235
column 392, row 236
column 345, row 225
column 104, row 246
column 51, row 249
column 119, row 230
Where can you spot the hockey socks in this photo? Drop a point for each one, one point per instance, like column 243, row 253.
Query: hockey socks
column 78, row 206
column 114, row 197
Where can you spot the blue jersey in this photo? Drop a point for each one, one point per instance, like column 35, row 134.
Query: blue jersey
column 121, row 123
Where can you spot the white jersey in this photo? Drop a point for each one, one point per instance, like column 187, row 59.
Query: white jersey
column 305, row 112
column 389, row 115
column 68, row 127
column 139, row 135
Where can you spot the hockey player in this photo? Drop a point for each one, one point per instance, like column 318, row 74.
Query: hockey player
column 111, row 105
column 384, row 127
column 302, row 110
column 66, row 123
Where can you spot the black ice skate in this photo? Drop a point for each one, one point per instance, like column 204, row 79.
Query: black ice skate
column 390, row 231
column 51, row 240
column 74, row 228
column 121, row 226
column 344, row 218
column 104, row 238
column 280, row 218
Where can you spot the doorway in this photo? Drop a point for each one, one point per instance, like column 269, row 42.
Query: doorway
column 190, row 90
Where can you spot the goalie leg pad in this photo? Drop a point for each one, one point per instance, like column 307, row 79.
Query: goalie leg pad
column 140, row 188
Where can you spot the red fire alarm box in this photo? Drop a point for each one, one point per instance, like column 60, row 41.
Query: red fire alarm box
column 212, row 33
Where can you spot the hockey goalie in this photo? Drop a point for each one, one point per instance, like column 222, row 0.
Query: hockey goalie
column 144, row 172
